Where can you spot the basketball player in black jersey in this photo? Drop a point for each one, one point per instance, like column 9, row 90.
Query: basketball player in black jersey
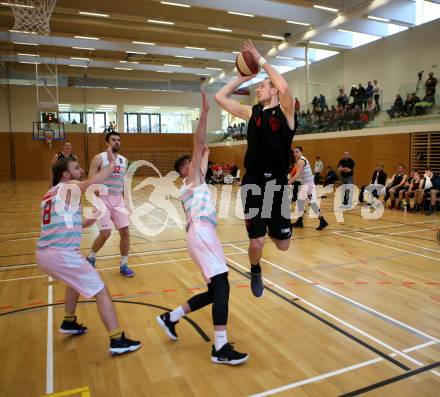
column 271, row 128
column 65, row 153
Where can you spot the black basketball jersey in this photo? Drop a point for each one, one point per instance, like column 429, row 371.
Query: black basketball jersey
column 62, row 156
column 269, row 142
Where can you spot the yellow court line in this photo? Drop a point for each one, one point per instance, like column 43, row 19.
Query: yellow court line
column 83, row 391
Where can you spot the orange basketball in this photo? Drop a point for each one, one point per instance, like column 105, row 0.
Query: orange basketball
column 293, row 171
column 246, row 64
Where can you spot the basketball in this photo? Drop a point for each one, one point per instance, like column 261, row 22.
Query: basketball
column 293, row 172
column 246, row 64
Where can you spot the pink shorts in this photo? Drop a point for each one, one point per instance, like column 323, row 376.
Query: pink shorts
column 72, row 268
column 116, row 213
column 205, row 249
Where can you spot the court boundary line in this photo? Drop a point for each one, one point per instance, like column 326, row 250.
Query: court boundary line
column 333, row 373
column 366, row 308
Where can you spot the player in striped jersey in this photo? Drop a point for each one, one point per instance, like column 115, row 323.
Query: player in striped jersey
column 204, row 248
column 115, row 211
column 307, row 189
column 58, row 250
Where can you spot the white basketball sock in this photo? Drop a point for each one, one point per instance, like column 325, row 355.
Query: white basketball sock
column 176, row 314
column 220, row 339
column 91, row 254
column 124, row 260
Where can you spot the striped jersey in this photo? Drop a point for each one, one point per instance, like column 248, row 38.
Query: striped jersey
column 306, row 177
column 198, row 204
column 115, row 181
column 61, row 225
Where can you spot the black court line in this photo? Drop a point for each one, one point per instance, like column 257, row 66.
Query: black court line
column 391, row 380
column 197, row 327
column 328, row 323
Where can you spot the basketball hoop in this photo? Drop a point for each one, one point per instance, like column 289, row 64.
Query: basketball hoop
column 32, row 16
column 48, row 135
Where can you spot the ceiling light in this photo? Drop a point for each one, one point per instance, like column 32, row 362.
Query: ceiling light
column 270, row 36
column 160, row 22
column 152, row 107
column 298, row 23
column 19, row 43
column 83, row 48
column 121, row 88
column 318, row 43
column 64, row 104
column 378, row 18
column 174, row 66
column 168, row 3
column 220, row 29
column 31, row 63
column 236, row 52
column 203, row 74
column 28, row 55
column 21, row 31
column 209, row 68
column 78, row 66
column 16, row 5
column 143, row 42
column 242, row 14
column 183, row 56
column 136, row 52
column 123, row 68
column 196, row 48
column 86, row 37
column 135, row 62
column 281, row 57
column 93, row 14
column 325, row 8
column 226, row 60
column 80, row 59
column 163, row 71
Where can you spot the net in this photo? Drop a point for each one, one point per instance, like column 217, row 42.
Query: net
column 32, row 16
column 48, row 135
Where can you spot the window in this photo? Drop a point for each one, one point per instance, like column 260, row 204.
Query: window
column 131, row 122
column 172, row 122
column 145, row 122
column 156, row 125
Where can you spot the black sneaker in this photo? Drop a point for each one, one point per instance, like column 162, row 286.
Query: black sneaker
column 72, row 328
column 168, row 326
column 227, row 355
column 257, row 284
column 123, row 345
column 322, row 224
column 298, row 223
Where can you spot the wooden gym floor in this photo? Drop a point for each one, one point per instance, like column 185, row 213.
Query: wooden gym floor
column 355, row 306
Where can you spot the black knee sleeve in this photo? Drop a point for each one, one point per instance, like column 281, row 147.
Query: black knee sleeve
column 220, row 292
column 201, row 300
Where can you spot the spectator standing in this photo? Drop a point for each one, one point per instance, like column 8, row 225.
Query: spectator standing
column 376, row 93
column 361, row 97
column 354, row 93
column 346, row 169
column 430, row 85
column 297, row 105
column 369, row 91
column 322, row 102
column 342, row 98
column 317, row 169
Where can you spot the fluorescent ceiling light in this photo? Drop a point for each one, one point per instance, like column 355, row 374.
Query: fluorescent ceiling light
column 168, row 3
column 203, row 74
column 378, row 18
column 152, row 107
column 16, row 5
column 325, row 8
column 242, row 14
column 94, row 14
column 163, row 71
column 219, row 29
column 121, row 88
column 172, row 65
column 236, row 52
column 298, row 23
column 226, row 60
column 86, row 38
column 123, row 68
column 80, row 59
column 31, row 63
column 209, row 68
column 281, row 57
column 318, row 43
column 183, row 56
column 64, row 104
column 19, row 43
column 78, row 66
column 270, row 36
column 136, row 52
column 195, row 48
column 83, row 48
column 160, row 22
column 135, row 62
column 28, row 55
column 21, row 31
column 143, row 42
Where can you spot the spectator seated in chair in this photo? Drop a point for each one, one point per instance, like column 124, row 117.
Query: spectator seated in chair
column 415, row 191
column 434, row 193
column 395, row 185
column 397, row 109
column 379, row 177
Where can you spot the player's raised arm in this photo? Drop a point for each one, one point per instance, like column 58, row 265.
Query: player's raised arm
column 223, row 98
